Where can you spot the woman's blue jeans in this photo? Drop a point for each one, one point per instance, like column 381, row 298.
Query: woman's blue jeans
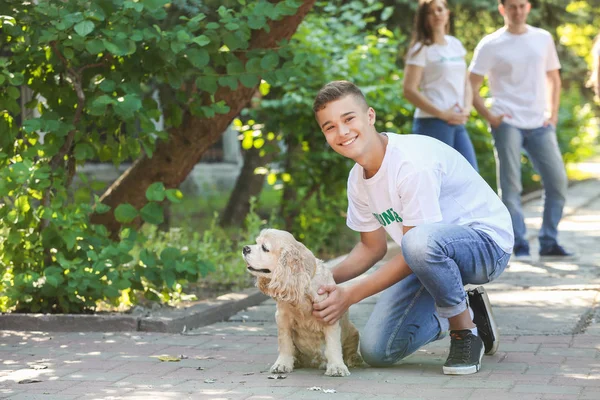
column 542, row 148
column 455, row 136
column 415, row 311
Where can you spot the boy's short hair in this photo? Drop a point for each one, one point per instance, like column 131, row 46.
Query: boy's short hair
column 336, row 90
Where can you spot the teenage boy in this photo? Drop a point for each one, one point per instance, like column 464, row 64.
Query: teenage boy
column 452, row 227
column 523, row 70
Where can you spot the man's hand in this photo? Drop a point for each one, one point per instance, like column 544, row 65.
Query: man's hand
column 334, row 306
column 553, row 120
column 496, row 120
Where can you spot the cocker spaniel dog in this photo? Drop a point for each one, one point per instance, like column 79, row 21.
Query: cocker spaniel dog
column 289, row 273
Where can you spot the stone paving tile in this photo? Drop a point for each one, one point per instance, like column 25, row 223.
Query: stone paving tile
column 37, row 396
column 496, row 394
column 548, row 389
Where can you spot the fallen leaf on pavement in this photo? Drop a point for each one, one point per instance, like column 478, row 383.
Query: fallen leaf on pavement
column 167, row 358
column 210, row 380
column 329, row 391
column 277, row 376
column 38, row 366
column 204, row 358
column 314, row 388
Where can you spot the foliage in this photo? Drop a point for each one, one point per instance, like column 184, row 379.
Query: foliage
column 220, row 247
column 94, row 71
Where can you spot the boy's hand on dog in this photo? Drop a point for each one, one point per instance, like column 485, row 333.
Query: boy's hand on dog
column 334, row 306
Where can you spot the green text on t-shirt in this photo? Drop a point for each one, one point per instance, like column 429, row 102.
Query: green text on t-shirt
column 387, row 217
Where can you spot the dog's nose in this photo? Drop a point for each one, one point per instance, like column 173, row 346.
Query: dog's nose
column 246, row 250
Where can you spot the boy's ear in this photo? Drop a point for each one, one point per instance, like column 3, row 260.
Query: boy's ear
column 372, row 115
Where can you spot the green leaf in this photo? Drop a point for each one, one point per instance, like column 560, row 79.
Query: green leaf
column 94, row 46
column 156, row 192
column 154, row 4
column 84, row 151
column 207, row 83
column 101, row 208
column 22, row 204
column 201, row 40
column 13, row 92
column 249, row 80
column 84, row 28
column 257, row 22
column 128, row 105
column 152, row 213
column 270, row 61
column 70, row 239
column 169, row 255
column 107, row 85
column 32, row 125
column 174, row 195
column 198, row 57
column 169, row 278
column 125, row 213
column 148, row 258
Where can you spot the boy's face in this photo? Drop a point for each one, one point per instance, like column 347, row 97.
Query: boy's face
column 345, row 124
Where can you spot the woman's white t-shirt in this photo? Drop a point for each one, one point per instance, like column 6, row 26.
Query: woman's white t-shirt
column 422, row 181
column 444, row 73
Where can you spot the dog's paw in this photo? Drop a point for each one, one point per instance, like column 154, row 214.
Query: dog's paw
column 337, row 370
column 283, row 365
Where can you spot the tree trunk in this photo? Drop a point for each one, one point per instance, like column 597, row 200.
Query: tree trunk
column 247, row 185
column 173, row 160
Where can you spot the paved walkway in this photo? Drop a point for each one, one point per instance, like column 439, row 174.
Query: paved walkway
column 547, row 311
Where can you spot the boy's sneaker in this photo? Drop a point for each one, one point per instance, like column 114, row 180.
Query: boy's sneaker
column 521, row 253
column 466, row 351
column 483, row 317
column 556, row 252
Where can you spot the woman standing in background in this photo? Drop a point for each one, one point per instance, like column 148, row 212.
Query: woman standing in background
column 435, row 79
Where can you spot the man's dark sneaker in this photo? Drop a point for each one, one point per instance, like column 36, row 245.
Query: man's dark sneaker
column 521, row 252
column 556, row 251
column 466, row 351
column 483, row 317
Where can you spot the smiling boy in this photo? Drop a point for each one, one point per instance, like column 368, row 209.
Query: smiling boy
column 452, row 228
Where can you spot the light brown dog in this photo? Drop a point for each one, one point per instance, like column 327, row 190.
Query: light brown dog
column 289, row 273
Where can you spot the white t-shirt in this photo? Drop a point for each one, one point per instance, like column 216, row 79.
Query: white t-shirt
column 444, row 73
column 421, row 181
column 516, row 66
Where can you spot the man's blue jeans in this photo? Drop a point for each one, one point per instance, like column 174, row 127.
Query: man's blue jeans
column 415, row 311
column 543, row 151
column 455, row 136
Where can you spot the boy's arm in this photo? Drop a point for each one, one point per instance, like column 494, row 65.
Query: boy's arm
column 371, row 248
column 341, row 298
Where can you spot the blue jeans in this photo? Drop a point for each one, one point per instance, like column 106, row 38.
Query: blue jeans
column 543, row 151
column 415, row 311
column 455, row 136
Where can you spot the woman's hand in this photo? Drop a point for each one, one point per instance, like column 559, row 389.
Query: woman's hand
column 455, row 115
column 334, row 306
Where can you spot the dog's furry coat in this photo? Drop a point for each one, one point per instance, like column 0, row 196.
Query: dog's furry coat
column 289, row 273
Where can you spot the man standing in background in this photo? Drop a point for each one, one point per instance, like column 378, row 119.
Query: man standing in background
column 523, row 70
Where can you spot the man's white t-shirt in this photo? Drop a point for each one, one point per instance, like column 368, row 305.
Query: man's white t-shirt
column 422, row 181
column 516, row 66
column 444, row 73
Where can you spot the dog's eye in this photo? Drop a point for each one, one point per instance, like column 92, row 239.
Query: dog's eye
column 265, row 249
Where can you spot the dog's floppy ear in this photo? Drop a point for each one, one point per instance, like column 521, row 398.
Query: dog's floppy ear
column 290, row 281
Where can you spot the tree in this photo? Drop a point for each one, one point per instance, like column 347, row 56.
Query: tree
column 95, row 69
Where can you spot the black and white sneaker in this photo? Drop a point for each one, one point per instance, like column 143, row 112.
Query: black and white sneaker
column 466, row 352
column 483, row 317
